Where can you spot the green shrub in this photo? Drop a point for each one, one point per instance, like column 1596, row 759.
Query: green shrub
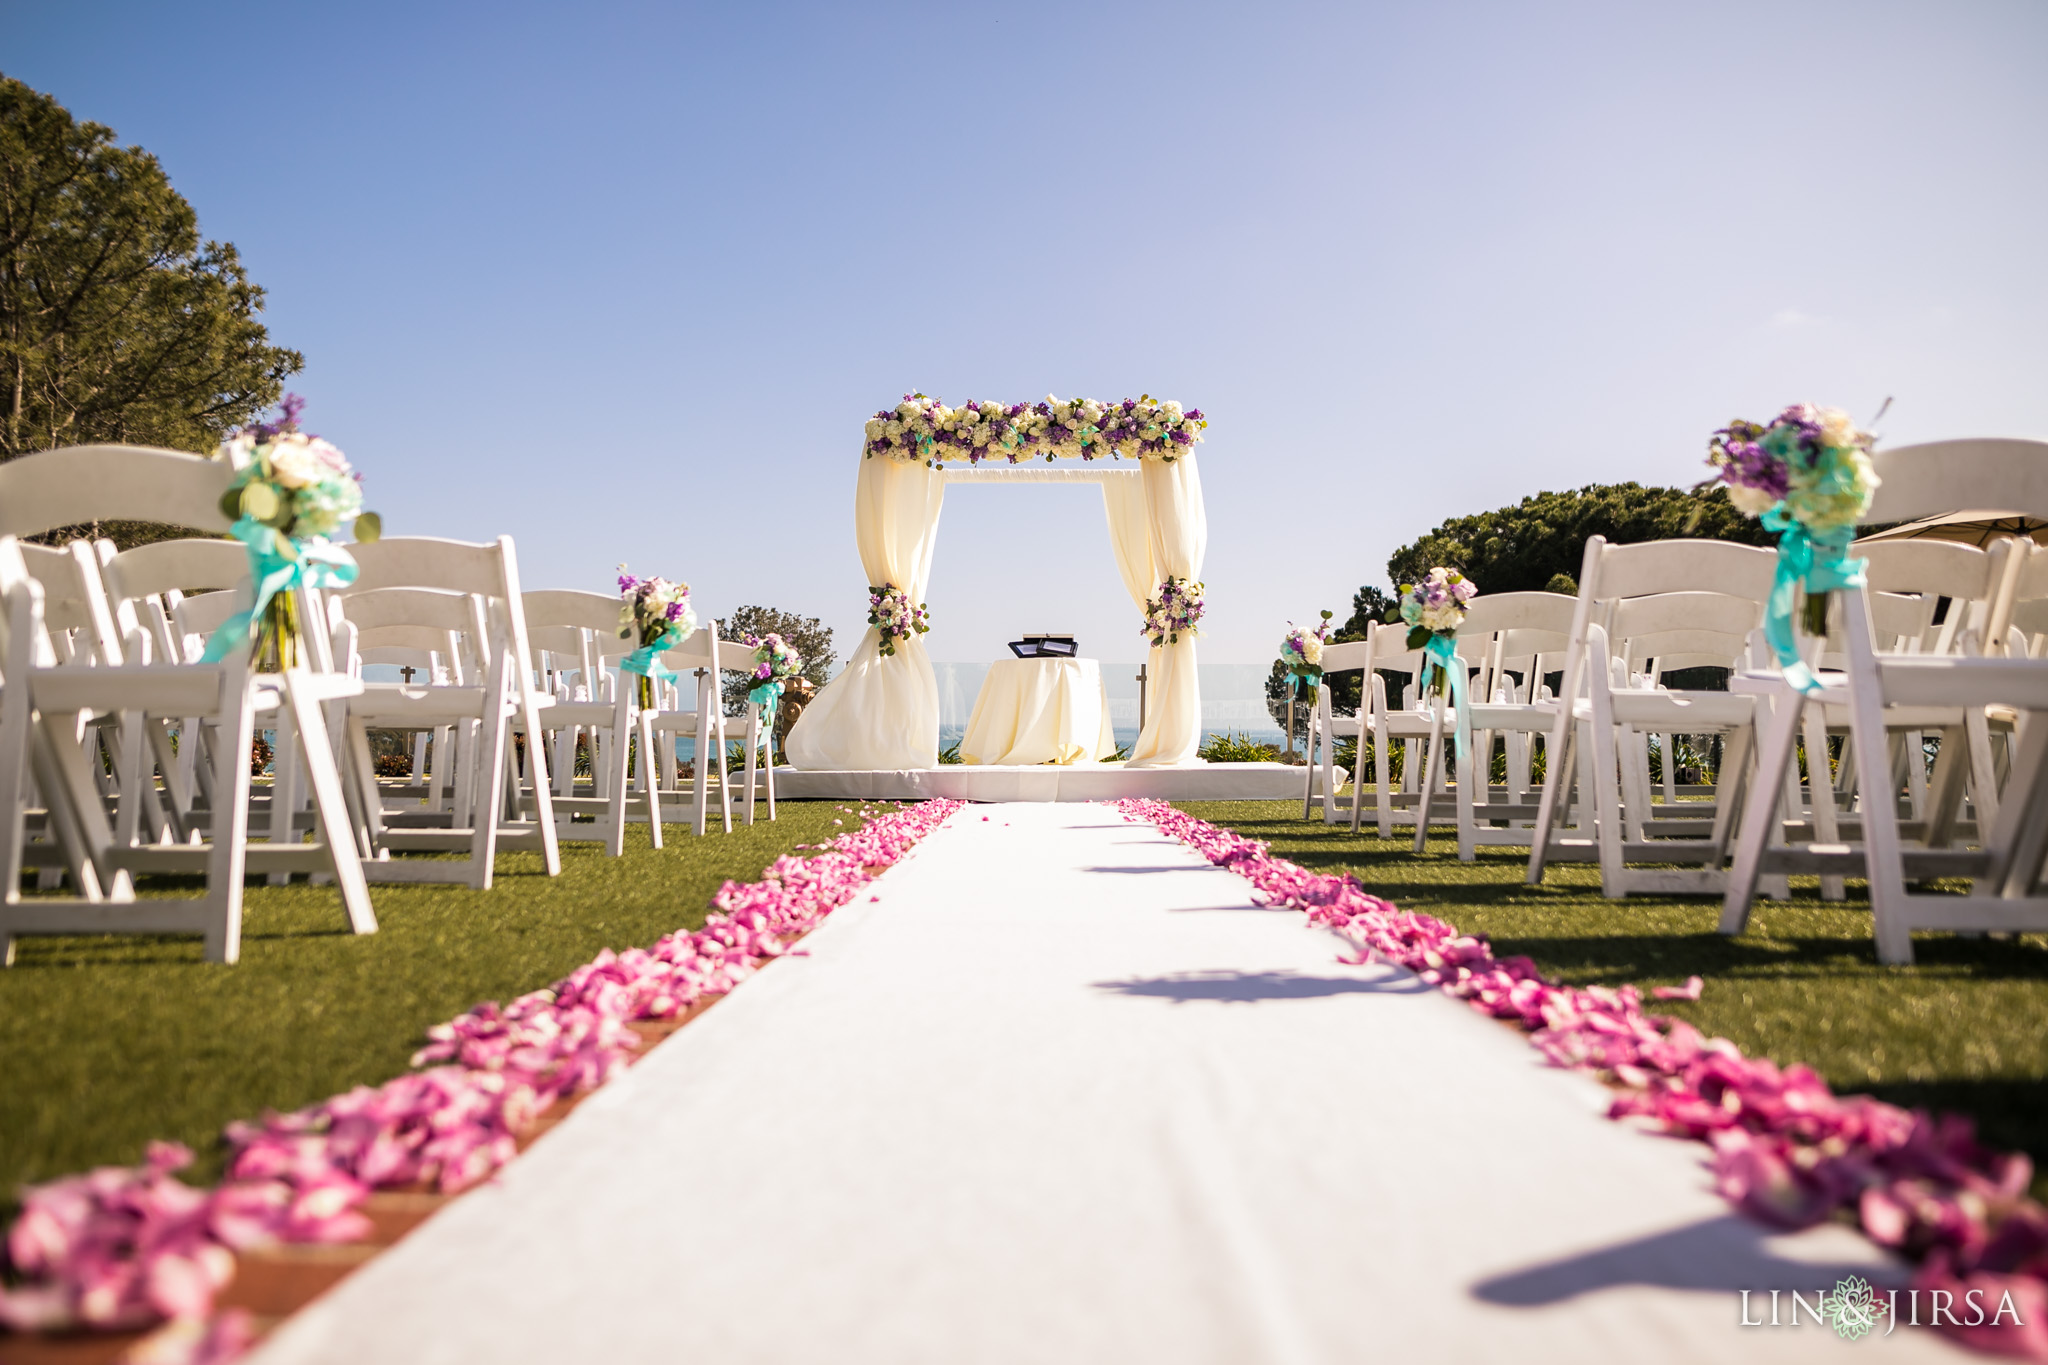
column 1231, row 747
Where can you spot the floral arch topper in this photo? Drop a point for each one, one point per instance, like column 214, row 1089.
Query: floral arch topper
column 881, row 712
column 925, row 430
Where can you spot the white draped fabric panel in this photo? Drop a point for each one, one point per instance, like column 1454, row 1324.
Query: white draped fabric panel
column 882, row 711
column 1177, row 540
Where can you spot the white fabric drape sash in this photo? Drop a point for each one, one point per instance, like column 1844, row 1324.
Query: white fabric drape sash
column 882, row 711
column 1176, row 542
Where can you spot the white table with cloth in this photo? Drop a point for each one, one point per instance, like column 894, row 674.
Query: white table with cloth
column 1039, row 711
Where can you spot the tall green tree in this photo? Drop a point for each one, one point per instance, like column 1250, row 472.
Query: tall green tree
column 1540, row 542
column 807, row 635
column 117, row 321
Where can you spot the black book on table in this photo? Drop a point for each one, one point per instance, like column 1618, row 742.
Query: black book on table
column 1045, row 647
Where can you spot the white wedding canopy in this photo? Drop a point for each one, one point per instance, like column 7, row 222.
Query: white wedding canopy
column 882, row 711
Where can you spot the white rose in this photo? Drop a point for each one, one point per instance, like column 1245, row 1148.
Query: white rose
column 1312, row 651
column 293, row 461
column 908, row 409
column 1751, row 502
column 1170, row 412
column 1441, row 618
column 875, row 429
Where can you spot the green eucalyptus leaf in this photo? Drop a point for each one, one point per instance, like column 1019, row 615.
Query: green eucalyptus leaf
column 259, row 500
column 1419, row 636
column 369, row 528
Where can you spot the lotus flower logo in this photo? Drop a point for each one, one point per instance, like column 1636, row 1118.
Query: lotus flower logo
column 1854, row 1308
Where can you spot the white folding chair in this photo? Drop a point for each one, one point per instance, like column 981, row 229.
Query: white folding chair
column 472, row 591
column 697, row 664
column 580, row 629
column 42, row 705
column 1502, row 631
column 1326, row 728
column 1606, row 714
column 1410, row 726
column 2006, row 870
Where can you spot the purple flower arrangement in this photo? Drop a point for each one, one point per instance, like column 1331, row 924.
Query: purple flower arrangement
column 774, row 660
column 1812, row 460
column 1172, row 611
column 891, row 612
column 653, row 612
column 1301, row 654
column 924, row 429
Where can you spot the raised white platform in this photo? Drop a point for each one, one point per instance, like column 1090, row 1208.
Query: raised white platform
column 1080, row 782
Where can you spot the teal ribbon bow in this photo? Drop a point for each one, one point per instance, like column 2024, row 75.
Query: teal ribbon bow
column 1311, row 680
column 314, row 562
column 1819, row 560
column 767, row 694
column 1443, row 649
column 646, row 660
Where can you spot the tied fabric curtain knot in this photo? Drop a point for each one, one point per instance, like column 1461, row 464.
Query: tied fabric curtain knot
column 1820, row 561
column 278, row 564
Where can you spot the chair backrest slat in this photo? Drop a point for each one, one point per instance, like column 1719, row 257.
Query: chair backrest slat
column 76, row 484
column 1666, row 566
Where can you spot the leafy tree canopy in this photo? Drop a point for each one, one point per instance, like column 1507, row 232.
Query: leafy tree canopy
column 1540, row 543
column 117, row 322
column 809, row 637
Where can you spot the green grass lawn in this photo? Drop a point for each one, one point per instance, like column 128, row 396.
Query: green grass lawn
column 113, row 1040
column 1965, row 1029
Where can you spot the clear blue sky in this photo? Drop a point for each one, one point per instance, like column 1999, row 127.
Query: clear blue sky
column 625, row 280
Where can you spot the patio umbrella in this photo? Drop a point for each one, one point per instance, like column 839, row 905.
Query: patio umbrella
column 1977, row 528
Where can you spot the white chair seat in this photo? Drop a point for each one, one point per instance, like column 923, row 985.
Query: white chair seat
column 172, row 689
column 1686, row 712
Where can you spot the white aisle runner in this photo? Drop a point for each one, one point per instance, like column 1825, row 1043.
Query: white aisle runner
column 1062, row 1094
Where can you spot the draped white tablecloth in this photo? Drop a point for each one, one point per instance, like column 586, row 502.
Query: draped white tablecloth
column 1039, row 711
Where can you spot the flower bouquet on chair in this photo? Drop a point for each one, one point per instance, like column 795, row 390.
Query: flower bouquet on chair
column 1434, row 609
column 890, row 611
column 1301, row 654
column 290, row 492
column 1173, row 610
column 1808, row 475
column 655, row 614
column 775, row 663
